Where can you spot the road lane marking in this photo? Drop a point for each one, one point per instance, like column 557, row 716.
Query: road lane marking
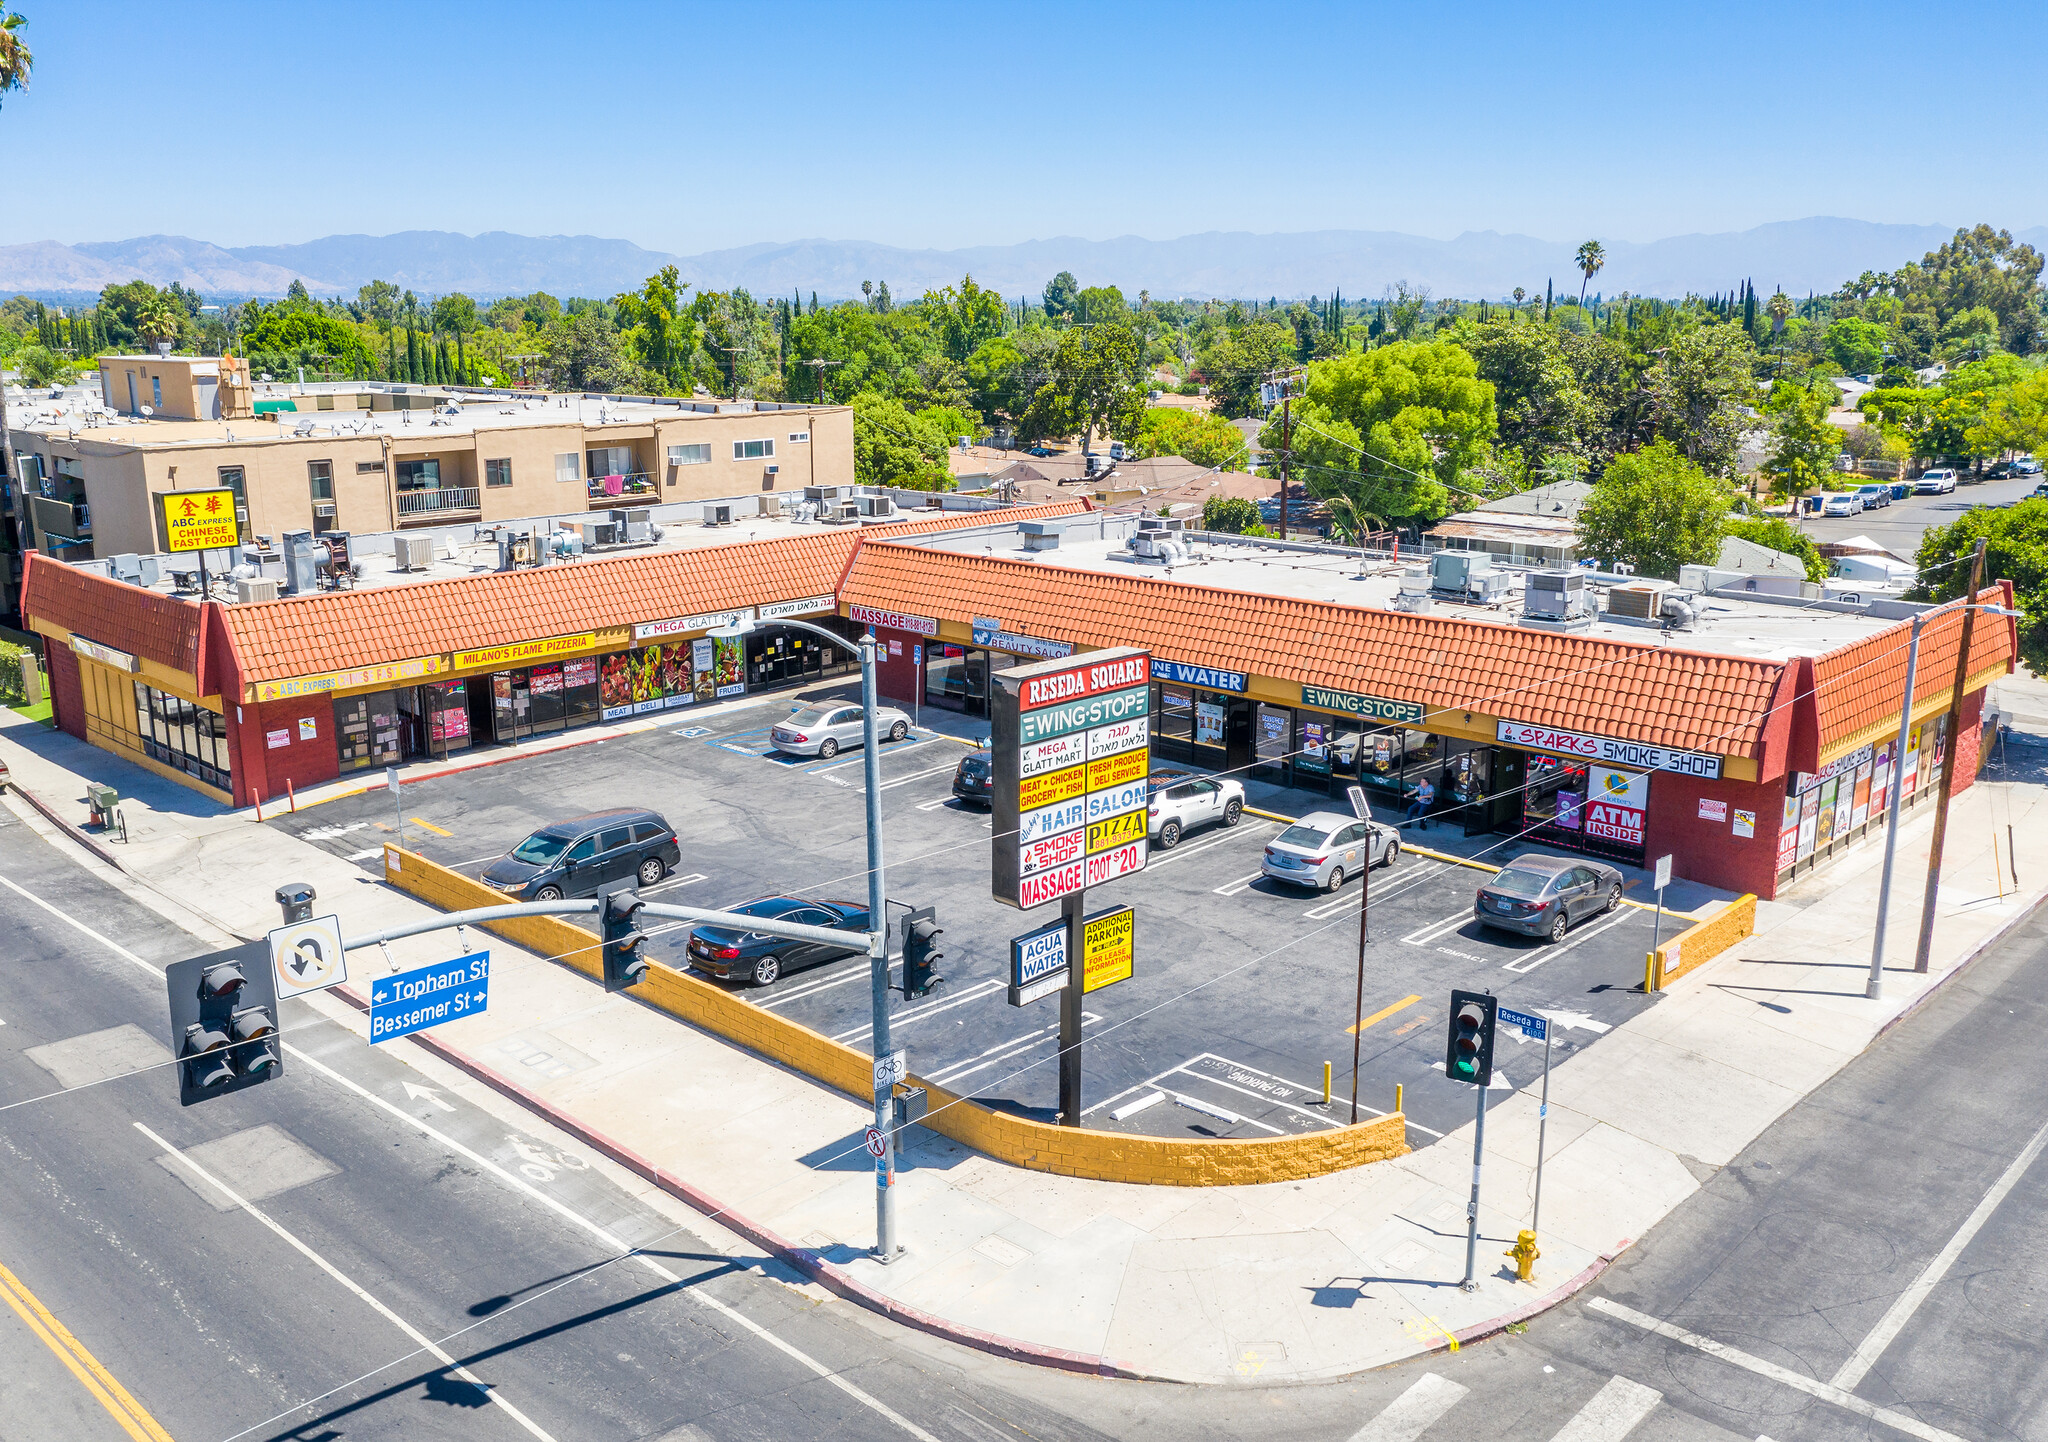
column 1826, row 1392
column 1615, row 1411
column 1534, row 959
column 1872, row 1347
column 133, row 1418
column 608, row 1239
column 738, row 1318
column 1409, row 1415
column 419, row 1338
column 1383, row 1013
column 415, row 821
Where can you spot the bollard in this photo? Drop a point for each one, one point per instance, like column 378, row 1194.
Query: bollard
column 1525, row 1254
column 1326, row 1083
column 292, row 792
column 1397, row 1096
column 1650, row 973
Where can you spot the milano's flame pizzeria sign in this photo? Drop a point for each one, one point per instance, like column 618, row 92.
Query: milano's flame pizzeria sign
column 1071, row 742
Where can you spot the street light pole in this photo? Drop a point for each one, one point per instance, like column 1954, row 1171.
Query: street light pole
column 1875, row 988
column 886, row 1249
column 1948, row 767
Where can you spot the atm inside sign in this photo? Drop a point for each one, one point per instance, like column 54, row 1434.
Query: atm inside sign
column 199, row 520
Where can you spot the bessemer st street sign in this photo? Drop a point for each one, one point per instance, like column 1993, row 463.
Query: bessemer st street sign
column 1070, row 742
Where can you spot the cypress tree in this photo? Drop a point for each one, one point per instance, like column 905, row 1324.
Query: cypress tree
column 412, row 356
column 1546, row 300
column 462, row 362
column 390, row 355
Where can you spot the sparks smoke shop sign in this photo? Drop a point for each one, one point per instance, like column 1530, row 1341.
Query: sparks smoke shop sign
column 1071, row 741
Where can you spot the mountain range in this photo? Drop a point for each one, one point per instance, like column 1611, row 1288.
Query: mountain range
column 1815, row 254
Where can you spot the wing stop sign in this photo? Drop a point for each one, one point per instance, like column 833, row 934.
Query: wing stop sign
column 1071, row 751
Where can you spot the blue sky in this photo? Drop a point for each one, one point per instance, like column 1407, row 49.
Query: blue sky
column 689, row 128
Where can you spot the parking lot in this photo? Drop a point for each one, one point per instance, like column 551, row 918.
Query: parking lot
column 1243, row 989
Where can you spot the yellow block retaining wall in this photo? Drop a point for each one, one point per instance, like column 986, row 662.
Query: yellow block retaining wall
column 1703, row 941
column 1039, row 1146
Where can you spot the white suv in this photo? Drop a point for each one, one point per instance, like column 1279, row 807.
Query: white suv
column 1181, row 802
column 1937, row 482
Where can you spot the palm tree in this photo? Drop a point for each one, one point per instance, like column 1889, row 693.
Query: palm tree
column 1351, row 520
column 1780, row 310
column 157, row 319
column 14, row 67
column 1590, row 258
column 1519, row 294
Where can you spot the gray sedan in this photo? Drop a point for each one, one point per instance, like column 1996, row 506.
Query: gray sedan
column 1545, row 895
column 828, row 729
column 1324, row 847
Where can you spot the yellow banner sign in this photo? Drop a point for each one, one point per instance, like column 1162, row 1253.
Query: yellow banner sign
column 1107, row 835
column 199, row 520
column 1108, row 947
column 525, row 652
column 1051, row 788
column 1116, row 770
column 295, row 686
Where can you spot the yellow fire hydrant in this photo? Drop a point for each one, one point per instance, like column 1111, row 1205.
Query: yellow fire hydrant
column 1525, row 1254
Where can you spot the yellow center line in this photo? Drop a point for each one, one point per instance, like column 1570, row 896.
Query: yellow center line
column 97, row 1380
column 415, row 821
column 1383, row 1013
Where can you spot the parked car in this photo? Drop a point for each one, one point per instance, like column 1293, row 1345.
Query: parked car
column 1543, row 895
column 587, row 854
column 1937, row 482
column 756, row 957
column 1324, row 847
column 1999, row 471
column 1040, row 450
column 828, row 729
column 1874, row 497
column 974, row 779
column 2026, row 466
column 1181, row 801
column 1846, row 504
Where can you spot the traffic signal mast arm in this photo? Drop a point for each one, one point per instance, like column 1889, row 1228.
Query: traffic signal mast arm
column 765, row 925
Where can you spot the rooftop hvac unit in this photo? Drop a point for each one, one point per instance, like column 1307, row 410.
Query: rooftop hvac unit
column 719, row 514
column 600, row 533
column 413, row 553
column 1456, row 570
column 128, row 567
column 1556, row 595
column 825, row 495
column 1413, row 593
column 839, row 513
column 301, row 563
column 876, row 505
column 1639, row 601
column 152, row 568
column 263, row 589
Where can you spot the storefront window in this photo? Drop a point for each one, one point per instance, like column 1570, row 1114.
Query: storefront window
column 1312, row 744
column 1272, row 737
column 1173, row 714
column 182, row 735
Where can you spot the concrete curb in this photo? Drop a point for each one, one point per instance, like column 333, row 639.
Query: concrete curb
column 50, row 815
column 1975, row 953
column 804, row 1260
column 1542, row 1304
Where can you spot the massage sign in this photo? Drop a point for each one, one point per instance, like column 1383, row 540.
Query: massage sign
column 1071, row 742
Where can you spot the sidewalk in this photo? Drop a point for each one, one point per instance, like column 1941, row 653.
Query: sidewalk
column 1282, row 1282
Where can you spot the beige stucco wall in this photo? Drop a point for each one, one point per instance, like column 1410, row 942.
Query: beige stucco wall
column 180, row 396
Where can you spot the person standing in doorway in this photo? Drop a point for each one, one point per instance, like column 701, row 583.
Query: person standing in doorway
column 1419, row 808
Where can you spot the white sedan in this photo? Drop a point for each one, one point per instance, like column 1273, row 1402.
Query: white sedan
column 824, row 731
column 1846, row 505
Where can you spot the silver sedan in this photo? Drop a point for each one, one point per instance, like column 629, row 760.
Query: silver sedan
column 826, row 730
column 1324, row 847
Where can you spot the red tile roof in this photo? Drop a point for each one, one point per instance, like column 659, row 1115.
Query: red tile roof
column 1861, row 685
column 114, row 613
column 1656, row 694
column 338, row 631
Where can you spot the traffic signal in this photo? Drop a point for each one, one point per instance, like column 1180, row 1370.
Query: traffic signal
column 223, row 1021
column 624, row 966
column 1468, row 1057
column 921, row 952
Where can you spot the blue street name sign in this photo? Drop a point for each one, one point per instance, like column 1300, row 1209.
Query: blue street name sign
column 1534, row 1026
column 414, row 1000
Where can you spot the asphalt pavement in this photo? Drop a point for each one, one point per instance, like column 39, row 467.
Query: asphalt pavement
column 1244, row 987
column 1899, row 526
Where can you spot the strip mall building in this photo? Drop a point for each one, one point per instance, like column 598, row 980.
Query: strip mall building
column 1751, row 746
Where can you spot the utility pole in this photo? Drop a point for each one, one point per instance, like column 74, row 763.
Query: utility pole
column 1874, row 988
column 1948, row 768
column 1286, row 447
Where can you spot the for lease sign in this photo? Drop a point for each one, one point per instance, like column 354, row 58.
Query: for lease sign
column 1071, row 750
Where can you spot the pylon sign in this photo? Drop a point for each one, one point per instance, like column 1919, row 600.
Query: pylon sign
column 307, row 956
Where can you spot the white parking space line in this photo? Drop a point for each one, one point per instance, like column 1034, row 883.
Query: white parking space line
column 1615, row 1411
column 1016, row 1046
column 1409, row 1415
column 1316, row 1117
column 1537, row 958
column 798, row 993
column 1184, row 851
column 936, row 803
column 988, row 986
column 892, row 784
column 889, row 748
column 1425, row 935
column 1894, row 1320
column 1734, row 1357
column 1243, row 883
column 690, row 880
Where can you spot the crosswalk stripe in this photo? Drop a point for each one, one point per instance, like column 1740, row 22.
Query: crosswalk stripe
column 1613, row 1413
column 1405, row 1418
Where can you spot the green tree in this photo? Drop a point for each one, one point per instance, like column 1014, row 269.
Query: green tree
column 455, row 314
column 891, row 447
column 1804, row 443
column 1102, row 305
column 1541, row 410
column 1062, row 295
column 378, row 302
column 41, row 366
column 1856, row 345
column 1095, row 383
column 1395, row 430
column 1781, row 535
column 1239, row 361
column 581, row 353
column 1197, row 436
column 1591, row 256
column 2016, row 550
column 2015, row 420
column 661, row 339
column 1979, row 267
column 1654, row 510
column 1229, row 515
column 1700, row 394
column 965, row 317
column 158, row 319
column 287, row 337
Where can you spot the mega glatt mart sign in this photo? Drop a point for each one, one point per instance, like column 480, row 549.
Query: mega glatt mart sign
column 1071, row 756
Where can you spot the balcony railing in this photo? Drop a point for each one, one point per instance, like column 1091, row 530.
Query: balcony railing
column 613, row 488
column 434, row 502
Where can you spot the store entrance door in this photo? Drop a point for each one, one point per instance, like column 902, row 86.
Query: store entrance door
column 511, row 706
column 1237, row 737
column 1502, row 810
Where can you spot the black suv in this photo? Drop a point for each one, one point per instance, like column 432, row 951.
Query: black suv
column 974, row 780
column 587, row 854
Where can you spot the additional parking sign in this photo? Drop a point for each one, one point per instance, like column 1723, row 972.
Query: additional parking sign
column 307, row 956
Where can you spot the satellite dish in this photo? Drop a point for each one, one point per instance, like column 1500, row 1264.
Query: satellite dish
column 148, row 411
